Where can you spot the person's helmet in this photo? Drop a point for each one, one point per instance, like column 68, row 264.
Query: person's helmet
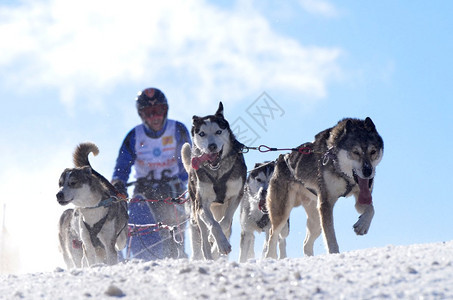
column 151, row 101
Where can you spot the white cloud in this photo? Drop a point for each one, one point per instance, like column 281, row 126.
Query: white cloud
column 87, row 48
column 319, row 7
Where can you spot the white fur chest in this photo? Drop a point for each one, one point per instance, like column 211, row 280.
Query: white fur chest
column 92, row 215
column 337, row 185
column 234, row 187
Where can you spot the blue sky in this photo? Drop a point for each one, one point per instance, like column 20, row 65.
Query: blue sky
column 69, row 73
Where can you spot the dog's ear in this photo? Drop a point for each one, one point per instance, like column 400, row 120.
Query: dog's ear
column 63, row 176
column 223, row 123
column 219, row 112
column 87, row 170
column 196, row 122
column 348, row 126
column 369, row 125
column 272, row 166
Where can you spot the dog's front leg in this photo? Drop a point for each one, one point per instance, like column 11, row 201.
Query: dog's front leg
column 232, row 200
column 265, row 244
column 326, row 214
column 112, row 255
column 246, row 250
column 366, row 212
column 205, row 243
column 108, row 237
column 110, row 252
column 195, row 237
column 84, row 261
column 214, row 228
column 227, row 221
column 77, row 256
column 89, row 251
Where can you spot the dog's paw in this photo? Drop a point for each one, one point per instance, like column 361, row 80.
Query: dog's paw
column 224, row 247
column 362, row 226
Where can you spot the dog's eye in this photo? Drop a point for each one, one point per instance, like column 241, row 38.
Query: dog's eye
column 202, row 134
column 373, row 152
column 356, row 152
column 259, row 180
column 218, row 132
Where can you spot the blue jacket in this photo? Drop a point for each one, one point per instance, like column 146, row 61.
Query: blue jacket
column 127, row 153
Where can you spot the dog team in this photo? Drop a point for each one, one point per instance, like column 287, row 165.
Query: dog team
column 207, row 164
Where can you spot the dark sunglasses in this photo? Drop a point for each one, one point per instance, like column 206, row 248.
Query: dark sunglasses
column 155, row 110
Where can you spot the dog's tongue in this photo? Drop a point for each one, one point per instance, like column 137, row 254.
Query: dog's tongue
column 198, row 160
column 365, row 193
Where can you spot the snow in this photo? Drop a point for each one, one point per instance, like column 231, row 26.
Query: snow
column 423, row 271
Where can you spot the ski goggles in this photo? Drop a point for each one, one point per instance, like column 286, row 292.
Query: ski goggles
column 155, row 110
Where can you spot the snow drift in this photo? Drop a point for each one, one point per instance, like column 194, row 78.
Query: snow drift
column 422, row 271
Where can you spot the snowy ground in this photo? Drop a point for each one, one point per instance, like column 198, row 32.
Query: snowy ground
column 409, row 272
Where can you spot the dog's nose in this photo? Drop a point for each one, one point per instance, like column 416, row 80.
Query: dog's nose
column 60, row 196
column 367, row 169
column 212, row 147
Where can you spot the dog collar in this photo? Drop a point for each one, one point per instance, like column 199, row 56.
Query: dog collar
column 107, row 202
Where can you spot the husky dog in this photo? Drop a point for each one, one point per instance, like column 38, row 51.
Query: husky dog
column 339, row 163
column 102, row 220
column 217, row 173
column 69, row 237
column 254, row 215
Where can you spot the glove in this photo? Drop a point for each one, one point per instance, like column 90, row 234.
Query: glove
column 120, row 187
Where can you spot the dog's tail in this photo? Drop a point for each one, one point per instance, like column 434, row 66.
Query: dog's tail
column 80, row 156
column 80, row 159
column 186, row 156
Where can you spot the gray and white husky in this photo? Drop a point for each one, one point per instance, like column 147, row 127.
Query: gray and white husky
column 217, row 173
column 254, row 215
column 340, row 162
column 99, row 219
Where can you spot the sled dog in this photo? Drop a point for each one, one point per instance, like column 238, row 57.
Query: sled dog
column 340, row 162
column 254, row 215
column 102, row 218
column 217, row 174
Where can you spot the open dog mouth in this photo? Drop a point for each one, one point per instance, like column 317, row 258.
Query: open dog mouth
column 212, row 159
column 364, row 186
